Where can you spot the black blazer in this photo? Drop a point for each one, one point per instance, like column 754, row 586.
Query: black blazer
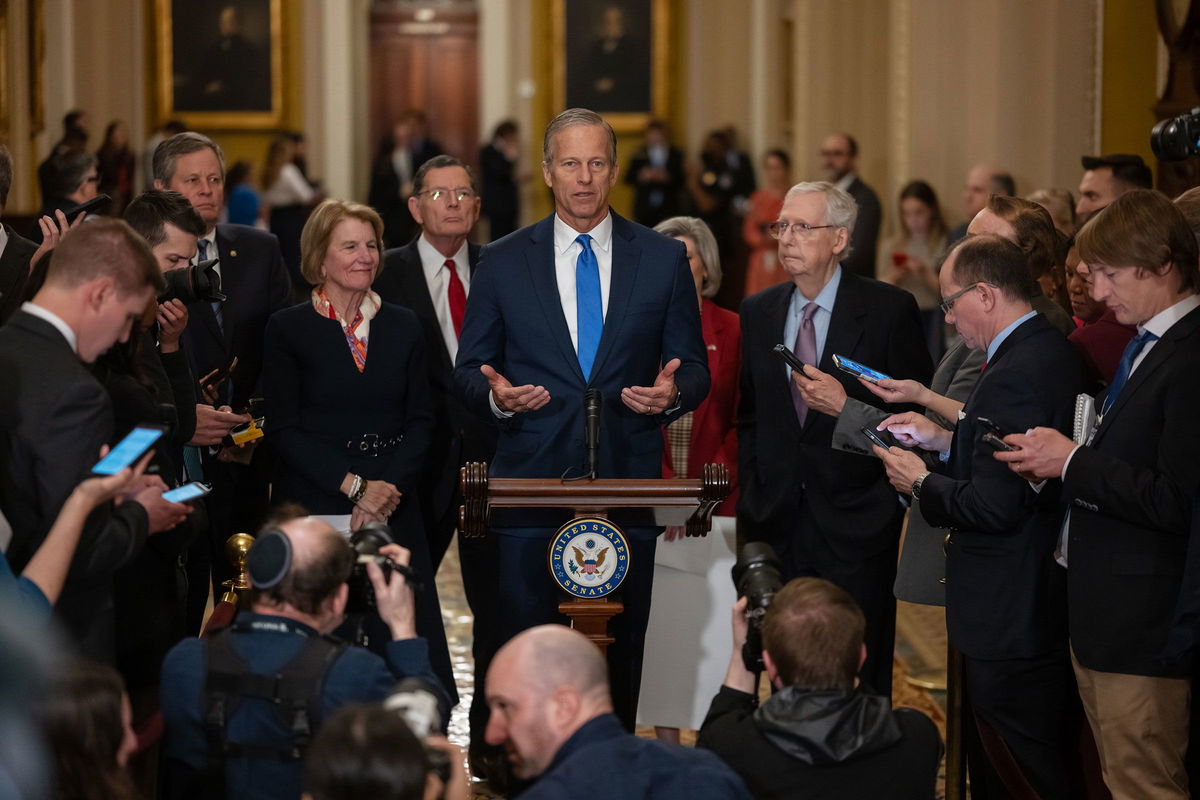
column 780, row 463
column 14, row 272
column 1130, row 493
column 317, row 400
column 458, row 435
column 256, row 283
column 1005, row 596
column 53, row 418
column 866, row 229
column 644, row 210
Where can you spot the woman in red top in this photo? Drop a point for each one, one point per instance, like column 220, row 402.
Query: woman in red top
column 765, row 205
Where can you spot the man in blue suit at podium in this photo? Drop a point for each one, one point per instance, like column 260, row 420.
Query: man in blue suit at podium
column 582, row 300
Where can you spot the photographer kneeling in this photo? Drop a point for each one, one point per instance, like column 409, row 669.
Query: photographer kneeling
column 241, row 706
column 819, row 734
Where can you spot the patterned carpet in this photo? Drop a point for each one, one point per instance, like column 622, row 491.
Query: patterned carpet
column 920, row 651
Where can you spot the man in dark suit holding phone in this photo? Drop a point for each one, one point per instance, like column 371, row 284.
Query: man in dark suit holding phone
column 828, row 514
column 1129, row 491
column 256, row 284
column 1005, row 596
column 54, row 416
column 581, row 300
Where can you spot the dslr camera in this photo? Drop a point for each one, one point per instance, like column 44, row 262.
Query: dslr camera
column 1178, row 138
column 758, row 576
column 366, row 542
column 193, row 284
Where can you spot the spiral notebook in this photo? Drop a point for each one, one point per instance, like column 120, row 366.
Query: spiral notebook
column 1086, row 420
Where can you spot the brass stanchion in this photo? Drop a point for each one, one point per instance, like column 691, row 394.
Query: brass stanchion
column 237, row 550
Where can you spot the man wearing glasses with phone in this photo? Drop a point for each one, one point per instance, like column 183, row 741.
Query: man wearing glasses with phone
column 827, row 513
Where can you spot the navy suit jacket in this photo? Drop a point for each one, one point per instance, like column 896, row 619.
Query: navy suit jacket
column 515, row 323
column 1005, row 596
column 256, row 283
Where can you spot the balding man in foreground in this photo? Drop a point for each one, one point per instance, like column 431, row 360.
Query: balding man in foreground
column 550, row 708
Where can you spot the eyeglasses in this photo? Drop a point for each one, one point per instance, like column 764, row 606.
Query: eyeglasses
column 457, row 194
column 948, row 303
column 802, row 230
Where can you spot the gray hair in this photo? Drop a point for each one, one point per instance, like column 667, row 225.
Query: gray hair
column 706, row 248
column 68, row 170
column 570, row 118
column 840, row 209
column 181, row 144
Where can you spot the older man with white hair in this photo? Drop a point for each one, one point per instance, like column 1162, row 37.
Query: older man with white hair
column 828, row 514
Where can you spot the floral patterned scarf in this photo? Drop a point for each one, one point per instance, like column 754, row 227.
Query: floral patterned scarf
column 358, row 328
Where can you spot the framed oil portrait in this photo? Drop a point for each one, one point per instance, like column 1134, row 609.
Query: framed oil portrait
column 613, row 56
column 220, row 64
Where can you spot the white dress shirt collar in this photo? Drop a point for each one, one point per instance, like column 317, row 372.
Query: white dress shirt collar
column 432, row 260
column 434, row 269
column 844, row 182
column 565, row 235
column 54, row 319
column 1162, row 322
column 3, row 239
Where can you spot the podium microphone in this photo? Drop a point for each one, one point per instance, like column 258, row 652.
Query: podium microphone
column 591, row 416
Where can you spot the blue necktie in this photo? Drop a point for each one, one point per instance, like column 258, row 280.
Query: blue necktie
column 1132, row 350
column 588, row 306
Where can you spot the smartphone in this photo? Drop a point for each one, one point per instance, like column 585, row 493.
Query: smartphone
column 787, row 355
column 189, row 491
column 129, row 449
column 246, row 432
column 875, row 438
column 859, row 370
column 88, row 207
column 993, row 436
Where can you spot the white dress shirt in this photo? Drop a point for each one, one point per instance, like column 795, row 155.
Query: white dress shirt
column 1159, row 324
column 432, row 264
column 3, row 239
column 289, row 188
column 54, row 319
column 566, row 254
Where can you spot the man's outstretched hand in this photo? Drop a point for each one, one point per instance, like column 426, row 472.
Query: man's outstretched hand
column 657, row 398
column 514, row 399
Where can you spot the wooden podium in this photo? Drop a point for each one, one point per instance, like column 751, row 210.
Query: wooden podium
column 674, row 501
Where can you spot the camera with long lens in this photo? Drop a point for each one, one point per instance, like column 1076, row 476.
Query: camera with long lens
column 193, row 284
column 366, row 542
column 1178, row 138
column 758, row 576
column 423, row 709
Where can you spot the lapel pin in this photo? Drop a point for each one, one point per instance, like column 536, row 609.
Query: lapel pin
column 233, row 253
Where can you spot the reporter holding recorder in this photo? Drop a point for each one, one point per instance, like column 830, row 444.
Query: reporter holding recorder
column 348, row 399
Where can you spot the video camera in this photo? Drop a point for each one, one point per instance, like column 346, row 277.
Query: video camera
column 193, row 284
column 758, row 576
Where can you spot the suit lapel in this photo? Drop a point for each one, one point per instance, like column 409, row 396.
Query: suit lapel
column 231, row 284
column 625, row 257
column 774, row 316
column 845, row 325
column 540, row 258
column 416, row 290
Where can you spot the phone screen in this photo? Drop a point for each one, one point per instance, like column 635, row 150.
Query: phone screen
column 189, row 491
column 128, row 450
column 861, row 369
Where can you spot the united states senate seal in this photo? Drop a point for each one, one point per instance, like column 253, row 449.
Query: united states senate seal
column 589, row 557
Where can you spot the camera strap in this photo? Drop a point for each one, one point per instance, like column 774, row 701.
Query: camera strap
column 294, row 692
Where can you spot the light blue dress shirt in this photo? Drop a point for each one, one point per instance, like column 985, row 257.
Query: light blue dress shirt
column 795, row 315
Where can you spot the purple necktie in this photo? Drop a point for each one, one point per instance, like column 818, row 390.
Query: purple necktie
column 806, row 350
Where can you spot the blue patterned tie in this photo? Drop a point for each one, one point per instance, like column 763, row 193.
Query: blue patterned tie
column 1132, row 350
column 588, row 306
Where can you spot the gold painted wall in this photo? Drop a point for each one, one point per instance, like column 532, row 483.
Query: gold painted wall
column 1130, row 77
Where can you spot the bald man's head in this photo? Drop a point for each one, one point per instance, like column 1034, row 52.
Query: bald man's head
column 321, row 562
column 542, row 686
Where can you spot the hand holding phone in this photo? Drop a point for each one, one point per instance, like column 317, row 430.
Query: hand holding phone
column 875, row 438
column 789, row 357
column 993, row 435
column 88, row 207
column 189, row 491
column 129, row 449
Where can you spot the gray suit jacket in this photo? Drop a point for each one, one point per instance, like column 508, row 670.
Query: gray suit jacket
column 922, row 561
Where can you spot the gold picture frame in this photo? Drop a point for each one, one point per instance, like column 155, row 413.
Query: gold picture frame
column 570, row 16
column 249, row 108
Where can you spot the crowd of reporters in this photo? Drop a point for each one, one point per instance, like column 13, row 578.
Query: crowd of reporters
column 103, row 332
